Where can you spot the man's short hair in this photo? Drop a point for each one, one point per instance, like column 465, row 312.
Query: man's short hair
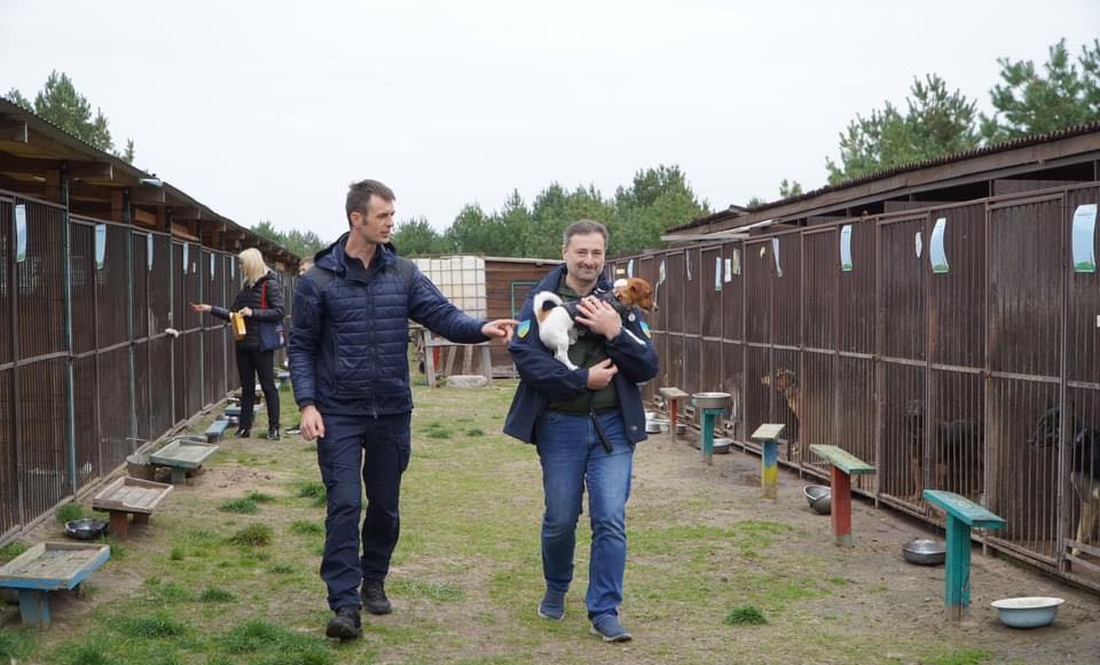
column 583, row 227
column 359, row 194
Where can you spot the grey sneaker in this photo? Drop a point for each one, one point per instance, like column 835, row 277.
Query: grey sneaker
column 552, row 606
column 609, row 629
column 374, row 597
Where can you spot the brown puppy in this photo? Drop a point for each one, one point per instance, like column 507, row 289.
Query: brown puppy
column 636, row 292
column 786, row 384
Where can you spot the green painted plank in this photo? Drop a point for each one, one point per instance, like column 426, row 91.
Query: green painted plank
column 964, row 509
column 843, row 460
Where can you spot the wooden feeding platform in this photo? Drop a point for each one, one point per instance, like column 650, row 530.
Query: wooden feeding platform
column 181, row 455
column 48, row 567
column 130, row 496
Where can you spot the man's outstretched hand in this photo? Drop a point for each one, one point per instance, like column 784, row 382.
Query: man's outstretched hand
column 500, row 329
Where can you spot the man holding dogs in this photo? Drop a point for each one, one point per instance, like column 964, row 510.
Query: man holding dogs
column 584, row 422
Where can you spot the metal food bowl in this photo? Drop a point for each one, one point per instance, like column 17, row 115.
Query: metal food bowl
column 1027, row 612
column 711, row 400
column 656, row 425
column 722, row 446
column 924, row 552
column 820, row 498
column 86, row 528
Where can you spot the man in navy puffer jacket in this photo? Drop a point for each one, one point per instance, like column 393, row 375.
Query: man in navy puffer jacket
column 349, row 366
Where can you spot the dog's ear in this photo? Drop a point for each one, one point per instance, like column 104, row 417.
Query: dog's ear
column 784, row 380
column 766, row 380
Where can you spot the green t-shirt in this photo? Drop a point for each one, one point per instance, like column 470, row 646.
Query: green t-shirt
column 588, row 351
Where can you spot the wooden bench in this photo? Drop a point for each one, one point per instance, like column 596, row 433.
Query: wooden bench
column 129, row 496
column 181, row 455
column 843, row 465
column 768, row 436
column 48, row 567
column 216, row 429
column 962, row 516
column 672, row 397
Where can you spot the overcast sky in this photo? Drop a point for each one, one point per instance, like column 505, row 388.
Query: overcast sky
column 267, row 110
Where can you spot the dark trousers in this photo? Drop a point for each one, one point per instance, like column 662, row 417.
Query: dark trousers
column 361, row 453
column 250, row 363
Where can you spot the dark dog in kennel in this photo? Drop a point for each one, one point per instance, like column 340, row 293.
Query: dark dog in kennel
column 958, row 454
column 1084, row 468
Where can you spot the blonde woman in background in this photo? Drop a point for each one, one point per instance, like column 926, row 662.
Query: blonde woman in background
column 259, row 301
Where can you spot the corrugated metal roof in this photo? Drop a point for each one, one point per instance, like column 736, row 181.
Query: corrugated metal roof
column 1004, row 146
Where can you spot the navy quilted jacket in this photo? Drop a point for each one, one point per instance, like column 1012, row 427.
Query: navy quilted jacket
column 349, row 332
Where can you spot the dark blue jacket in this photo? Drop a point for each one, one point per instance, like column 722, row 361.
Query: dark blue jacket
column 349, row 334
column 543, row 378
column 265, row 298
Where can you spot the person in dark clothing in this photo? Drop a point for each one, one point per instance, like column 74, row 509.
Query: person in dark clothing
column 303, row 268
column 349, row 367
column 584, row 423
column 260, row 300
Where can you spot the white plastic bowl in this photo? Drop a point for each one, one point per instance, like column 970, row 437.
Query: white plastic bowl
column 1028, row 611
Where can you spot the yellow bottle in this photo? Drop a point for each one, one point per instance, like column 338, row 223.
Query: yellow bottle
column 239, row 330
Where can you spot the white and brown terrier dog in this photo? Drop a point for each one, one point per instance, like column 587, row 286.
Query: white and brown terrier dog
column 556, row 328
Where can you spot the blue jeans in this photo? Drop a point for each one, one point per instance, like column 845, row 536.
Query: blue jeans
column 572, row 458
column 357, row 453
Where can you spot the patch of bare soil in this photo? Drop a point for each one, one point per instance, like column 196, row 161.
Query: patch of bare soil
column 882, row 589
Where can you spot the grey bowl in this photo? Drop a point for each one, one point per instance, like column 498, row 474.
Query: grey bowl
column 722, row 445
column 86, row 528
column 820, row 498
column 924, row 552
column 1027, row 612
column 711, row 400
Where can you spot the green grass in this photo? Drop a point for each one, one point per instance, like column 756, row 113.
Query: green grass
column 12, row 550
column 746, row 615
column 94, row 651
column 69, row 512
column 152, row 627
column 260, row 497
column 304, row 528
column 275, row 644
column 475, row 431
column 240, row 506
column 216, row 595
column 254, row 535
column 963, row 657
column 15, row 644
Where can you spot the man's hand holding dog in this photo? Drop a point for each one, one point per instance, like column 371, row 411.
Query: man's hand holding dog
column 599, row 317
column 600, row 374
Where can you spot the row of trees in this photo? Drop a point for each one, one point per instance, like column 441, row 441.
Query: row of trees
column 635, row 216
column 302, row 243
column 936, row 121
column 60, row 103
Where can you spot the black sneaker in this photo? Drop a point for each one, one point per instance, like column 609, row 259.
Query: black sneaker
column 374, row 597
column 273, row 434
column 346, row 625
column 243, row 432
column 297, row 429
